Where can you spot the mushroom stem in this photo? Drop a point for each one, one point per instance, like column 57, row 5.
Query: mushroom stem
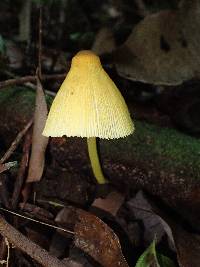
column 94, row 158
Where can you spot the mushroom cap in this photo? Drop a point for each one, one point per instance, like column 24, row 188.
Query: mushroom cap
column 88, row 103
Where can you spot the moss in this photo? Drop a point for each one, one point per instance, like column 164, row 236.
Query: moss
column 151, row 147
column 20, row 95
column 168, row 143
column 154, row 147
column 16, row 108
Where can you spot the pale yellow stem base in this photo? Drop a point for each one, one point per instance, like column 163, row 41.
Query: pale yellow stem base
column 94, row 158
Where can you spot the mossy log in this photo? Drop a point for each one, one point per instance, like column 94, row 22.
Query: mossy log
column 162, row 161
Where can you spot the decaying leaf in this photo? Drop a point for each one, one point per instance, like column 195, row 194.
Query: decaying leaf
column 96, row 239
column 186, row 244
column 154, row 225
column 36, row 211
column 111, row 203
column 150, row 258
column 91, row 235
column 163, row 48
column 72, row 263
column 39, row 142
column 104, row 42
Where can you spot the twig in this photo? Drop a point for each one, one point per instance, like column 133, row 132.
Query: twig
column 3, row 250
column 16, row 81
column 6, row 166
column 31, row 78
column 40, row 222
column 22, row 170
column 40, row 44
column 23, row 243
column 4, row 196
column 8, row 252
column 16, row 142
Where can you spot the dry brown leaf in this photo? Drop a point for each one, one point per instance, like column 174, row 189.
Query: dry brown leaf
column 72, row 263
column 163, row 48
column 186, row 244
column 92, row 236
column 39, row 142
column 36, row 211
column 141, row 208
column 95, row 238
column 104, row 42
column 111, row 203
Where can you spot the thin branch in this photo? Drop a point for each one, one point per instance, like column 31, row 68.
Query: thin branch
column 40, row 44
column 26, row 245
column 16, row 142
column 22, row 170
column 6, row 166
column 8, row 252
column 40, row 222
column 16, row 81
column 4, row 195
column 31, row 78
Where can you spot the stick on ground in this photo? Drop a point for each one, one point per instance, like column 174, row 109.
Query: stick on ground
column 26, row 79
column 23, row 243
column 16, row 142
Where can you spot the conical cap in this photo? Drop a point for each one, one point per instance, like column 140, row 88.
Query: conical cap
column 88, row 103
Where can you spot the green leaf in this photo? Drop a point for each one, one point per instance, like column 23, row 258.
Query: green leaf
column 150, row 258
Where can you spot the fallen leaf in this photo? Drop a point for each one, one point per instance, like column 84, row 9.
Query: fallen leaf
column 111, row 203
column 36, row 211
column 163, row 49
column 186, row 244
column 72, row 263
column 91, row 235
column 39, row 142
column 104, row 42
column 154, row 225
column 95, row 238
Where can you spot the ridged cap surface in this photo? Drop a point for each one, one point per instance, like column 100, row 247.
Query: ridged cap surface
column 88, row 103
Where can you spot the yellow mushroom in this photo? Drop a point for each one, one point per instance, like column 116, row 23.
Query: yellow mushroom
column 89, row 104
